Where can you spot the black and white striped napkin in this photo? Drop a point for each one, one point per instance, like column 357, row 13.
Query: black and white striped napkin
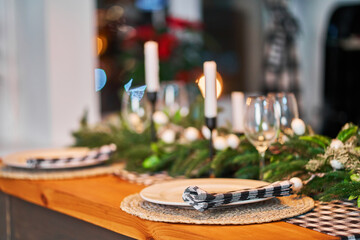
column 94, row 156
column 202, row 200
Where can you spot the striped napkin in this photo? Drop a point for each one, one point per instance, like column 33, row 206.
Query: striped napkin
column 202, row 200
column 95, row 155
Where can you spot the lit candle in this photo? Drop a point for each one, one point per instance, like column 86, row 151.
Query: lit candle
column 238, row 108
column 210, row 89
column 151, row 66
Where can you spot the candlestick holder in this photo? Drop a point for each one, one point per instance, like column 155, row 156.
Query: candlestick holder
column 211, row 124
column 152, row 96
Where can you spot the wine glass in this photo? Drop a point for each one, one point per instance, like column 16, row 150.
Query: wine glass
column 261, row 124
column 173, row 98
column 136, row 113
column 287, row 107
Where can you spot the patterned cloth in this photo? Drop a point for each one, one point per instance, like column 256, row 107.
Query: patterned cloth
column 96, row 155
column 202, row 200
column 337, row 218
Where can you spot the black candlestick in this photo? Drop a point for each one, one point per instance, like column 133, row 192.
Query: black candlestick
column 152, row 96
column 211, row 124
column 239, row 134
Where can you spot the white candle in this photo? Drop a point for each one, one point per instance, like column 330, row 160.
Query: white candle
column 210, row 89
column 151, row 66
column 238, row 108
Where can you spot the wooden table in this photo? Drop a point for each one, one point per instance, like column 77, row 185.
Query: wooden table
column 95, row 201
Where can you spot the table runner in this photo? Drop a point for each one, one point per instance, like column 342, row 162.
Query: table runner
column 336, row 218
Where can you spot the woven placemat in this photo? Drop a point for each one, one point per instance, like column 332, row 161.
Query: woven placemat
column 32, row 174
column 274, row 209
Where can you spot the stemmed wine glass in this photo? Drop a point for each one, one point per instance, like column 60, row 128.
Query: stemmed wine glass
column 172, row 98
column 261, row 124
column 136, row 113
column 288, row 109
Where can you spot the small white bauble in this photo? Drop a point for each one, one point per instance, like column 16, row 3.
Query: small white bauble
column 168, row 136
column 298, row 126
column 336, row 165
column 112, row 147
column 233, row 141
column 297, row 184
column 284, row 138
column 220, row 143
column 191, row 134
column 160, row 118
column 205, row 131
column 336, row 144
column 134, row 119
column 184, row 111
column 113, row 119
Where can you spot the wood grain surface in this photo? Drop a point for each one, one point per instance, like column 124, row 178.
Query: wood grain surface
column 97, row 200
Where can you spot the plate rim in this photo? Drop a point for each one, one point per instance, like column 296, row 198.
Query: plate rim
column 184, row 204
column 5, row 159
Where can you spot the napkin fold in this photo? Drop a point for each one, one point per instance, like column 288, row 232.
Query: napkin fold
column 98, row 154
column 202, row 200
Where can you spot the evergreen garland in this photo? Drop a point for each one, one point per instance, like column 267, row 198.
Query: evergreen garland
column 308, row 157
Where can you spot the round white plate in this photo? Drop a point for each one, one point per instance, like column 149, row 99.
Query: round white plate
column 19, row 159
column 170, row 193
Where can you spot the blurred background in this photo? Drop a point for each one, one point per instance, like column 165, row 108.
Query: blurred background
column 51, row 51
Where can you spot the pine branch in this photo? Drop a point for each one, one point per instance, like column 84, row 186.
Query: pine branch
column 341, row 190
column 280, row 170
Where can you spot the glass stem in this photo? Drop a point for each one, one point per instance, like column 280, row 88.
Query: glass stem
column 261, row 165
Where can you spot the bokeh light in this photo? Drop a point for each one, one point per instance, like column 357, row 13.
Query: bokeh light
column 100, row 79
column 101, row 42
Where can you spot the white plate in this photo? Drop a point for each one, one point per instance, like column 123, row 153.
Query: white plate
column 19, row 159
column 170, row 193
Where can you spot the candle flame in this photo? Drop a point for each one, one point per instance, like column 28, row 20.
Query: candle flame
column 219, row 85
column 248, row 101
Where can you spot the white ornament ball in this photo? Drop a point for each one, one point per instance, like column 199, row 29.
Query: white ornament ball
column 184, row 111
column 298, row 126
column 168, row 136
column 205, row 131
column 160, row 118
column 220, row 143
column 233, row 141
column 336, row 165
column 134, row 119
column 336, row 144
column 284, row 138
column 297, row 184
column 191, row 134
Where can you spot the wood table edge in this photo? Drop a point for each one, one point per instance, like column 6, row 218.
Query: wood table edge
column 111, row 218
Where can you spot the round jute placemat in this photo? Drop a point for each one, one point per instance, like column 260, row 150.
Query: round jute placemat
column 274, row 209
column 33, row 174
